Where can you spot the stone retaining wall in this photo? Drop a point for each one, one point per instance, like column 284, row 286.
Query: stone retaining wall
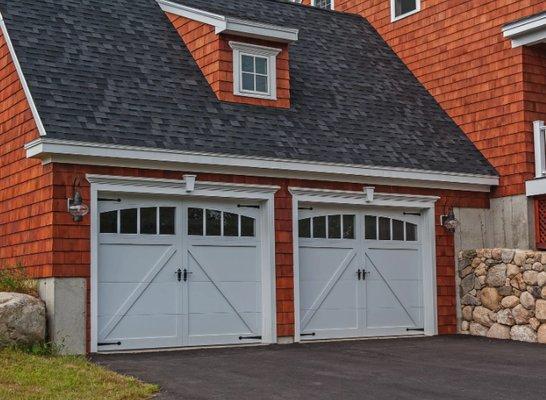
column 503, row 294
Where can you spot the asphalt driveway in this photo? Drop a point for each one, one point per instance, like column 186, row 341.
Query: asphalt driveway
column 445, row 367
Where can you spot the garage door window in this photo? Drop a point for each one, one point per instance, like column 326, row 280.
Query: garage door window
column 384, row 228
column 204, row 222
column 144, row 221
column 336, row 226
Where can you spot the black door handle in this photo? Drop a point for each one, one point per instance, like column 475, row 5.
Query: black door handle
column 364, row 273
column 179, row 274
column 185, row 275
column 359, row 273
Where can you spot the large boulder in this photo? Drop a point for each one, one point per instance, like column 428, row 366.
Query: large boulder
column 498, row 331
column 22, row 319
column 523, row 333
column 496, row 276
column 490, row 298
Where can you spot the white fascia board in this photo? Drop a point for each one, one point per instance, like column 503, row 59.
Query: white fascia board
column 32, row 105
column 231, row 25
column 535, row 187
column 65, row 151
column 527, row 32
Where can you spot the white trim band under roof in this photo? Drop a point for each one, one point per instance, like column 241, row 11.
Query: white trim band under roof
column 528, row 31
column 23, row 81
column 231, row 25
column 66, row 151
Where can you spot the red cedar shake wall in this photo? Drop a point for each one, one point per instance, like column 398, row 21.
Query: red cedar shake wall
column 26, row 191
column 214, row 57
column 72, row 240
column 457, row 50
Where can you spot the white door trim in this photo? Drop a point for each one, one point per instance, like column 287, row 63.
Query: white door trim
column 205, row 190
column 425, row 204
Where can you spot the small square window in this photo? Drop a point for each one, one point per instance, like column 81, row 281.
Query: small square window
column 254, row 70
column 213, row 222
column 109, row 222
column 304, row 227
column 319, row 227
column 325, row 4
column 195, row 221
column 148, row 221
column 403, row 8
column 128, row 221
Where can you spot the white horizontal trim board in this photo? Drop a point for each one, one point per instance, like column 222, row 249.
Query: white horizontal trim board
column 527, row 32
column 231, row 25
column 65, row 151
column 32, row 105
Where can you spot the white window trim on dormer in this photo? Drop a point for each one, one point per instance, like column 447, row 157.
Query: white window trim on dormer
column 253, row 50
column 332, row 4
column 402, row 16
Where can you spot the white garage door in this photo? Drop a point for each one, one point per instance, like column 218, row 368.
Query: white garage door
column 360, row 273
column 178, row 274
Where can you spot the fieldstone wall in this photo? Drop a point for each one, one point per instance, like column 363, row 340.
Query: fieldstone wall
column 503, row 294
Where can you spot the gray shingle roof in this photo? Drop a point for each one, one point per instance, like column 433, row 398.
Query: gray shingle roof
column 116, row 71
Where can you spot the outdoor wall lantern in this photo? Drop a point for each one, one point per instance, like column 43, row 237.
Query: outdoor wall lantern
column 449, row 222
column 76, row 207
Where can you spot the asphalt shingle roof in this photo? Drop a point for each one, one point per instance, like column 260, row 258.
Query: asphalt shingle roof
column 116, row 71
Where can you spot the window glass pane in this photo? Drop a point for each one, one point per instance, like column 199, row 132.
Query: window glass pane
column 128, row 221
column 305, row 228
column 195, row 221
column 166, row 220
column 348, row 227
column 247, row 63
column 326, row 4
column 319, row 227
column 370, row 227
column 231, row 224
column 109, row 222
column 148, row 221
column 248, row 82
column 384, row 228
column 261, row 65
column 213, row 222
column 411, row 232
column 247, row 226
column 261, row 83
column 334, row 226
column 404, row 6
column 397, row 230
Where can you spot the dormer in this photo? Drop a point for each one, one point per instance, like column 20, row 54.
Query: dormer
column 243, row 61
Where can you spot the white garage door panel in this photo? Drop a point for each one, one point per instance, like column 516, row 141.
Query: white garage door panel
column 386, row 298
column 179, row 286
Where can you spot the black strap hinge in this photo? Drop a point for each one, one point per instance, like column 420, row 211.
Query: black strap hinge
column 415, row 329
column 412, row 213
column 248, row 206
column 109, row 344
column 308, row 334
column 249, row 337
column 112, row 200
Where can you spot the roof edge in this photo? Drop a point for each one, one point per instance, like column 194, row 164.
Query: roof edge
column 22, row 80
column 526, row 31
column 232, row 25
column 58, row 150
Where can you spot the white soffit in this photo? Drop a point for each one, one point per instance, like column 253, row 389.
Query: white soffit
column 65, row 151
column 231, row 25
column 528, row 31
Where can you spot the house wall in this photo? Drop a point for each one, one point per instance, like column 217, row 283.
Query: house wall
column 72, row 239
column 457, row 51
column 214, row 57
column 26, row 190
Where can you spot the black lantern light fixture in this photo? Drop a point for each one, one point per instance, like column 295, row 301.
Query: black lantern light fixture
column 76, row 207
column 449, row 222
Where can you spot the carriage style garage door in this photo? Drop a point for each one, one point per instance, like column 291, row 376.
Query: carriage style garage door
column 174, row 273
column 360, row 273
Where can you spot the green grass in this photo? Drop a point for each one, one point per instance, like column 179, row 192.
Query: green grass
column 26, row 376
column 15, row 279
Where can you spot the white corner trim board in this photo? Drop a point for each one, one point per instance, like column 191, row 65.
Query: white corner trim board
column 32, row 105
column 65, row 151
column 231, row 25
column 528, row 31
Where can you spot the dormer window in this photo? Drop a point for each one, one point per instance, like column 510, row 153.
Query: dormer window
column 326, row 4
column 254, row 70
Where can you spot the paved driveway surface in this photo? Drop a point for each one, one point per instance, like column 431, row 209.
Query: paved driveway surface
column 445, row 367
